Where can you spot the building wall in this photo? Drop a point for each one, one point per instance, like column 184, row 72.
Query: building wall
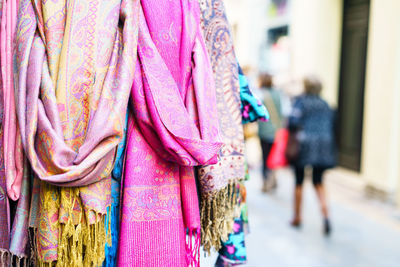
column 381, row 140
column 247, row 19
column 316, row 29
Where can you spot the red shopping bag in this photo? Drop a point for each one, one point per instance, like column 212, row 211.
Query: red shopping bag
column 277, row 155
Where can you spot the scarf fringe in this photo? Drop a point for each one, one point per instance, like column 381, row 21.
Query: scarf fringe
column 193, row 243
column 217, row 216
column 9, row 259
column 80, row 243
column 4, row 258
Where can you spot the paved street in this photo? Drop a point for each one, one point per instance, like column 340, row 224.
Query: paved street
column 366, row 233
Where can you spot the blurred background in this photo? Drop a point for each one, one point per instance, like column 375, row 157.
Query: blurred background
column 353, row 46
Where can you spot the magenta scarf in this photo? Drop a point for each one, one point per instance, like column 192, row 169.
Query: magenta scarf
column 172, row 127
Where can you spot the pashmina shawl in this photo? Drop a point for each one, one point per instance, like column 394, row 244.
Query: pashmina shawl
column 218, row 182
column 233, row 251
column 74, row 66
column 4, row 204
column 13, row 160
column 172, row 127
column 14, row 178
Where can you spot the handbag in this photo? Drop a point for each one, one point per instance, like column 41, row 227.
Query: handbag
column 292, row 147
column 277, row 156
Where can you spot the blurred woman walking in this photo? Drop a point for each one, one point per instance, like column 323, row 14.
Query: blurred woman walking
column 312, row 125
column 267, row 130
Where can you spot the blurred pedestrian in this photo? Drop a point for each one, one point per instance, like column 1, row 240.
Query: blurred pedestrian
column 312, row 123
column 267, row 130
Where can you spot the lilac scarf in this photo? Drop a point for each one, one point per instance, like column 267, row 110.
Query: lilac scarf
column 74, row 68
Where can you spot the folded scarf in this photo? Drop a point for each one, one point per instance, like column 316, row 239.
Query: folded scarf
column 218, row 182
column 74, row 68
column 172, row 127
column 252, row 108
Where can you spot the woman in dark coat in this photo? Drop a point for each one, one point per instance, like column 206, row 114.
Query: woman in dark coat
column 312, row 121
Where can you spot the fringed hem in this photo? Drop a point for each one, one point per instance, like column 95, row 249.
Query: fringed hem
column 4, row 258
column 8, row 259
column 112, row 237
column 193, row 247
column 217, row 216
column 79, row 245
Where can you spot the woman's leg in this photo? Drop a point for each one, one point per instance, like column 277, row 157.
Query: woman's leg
column 298, row 195
column 266, row 149
column 319, row 188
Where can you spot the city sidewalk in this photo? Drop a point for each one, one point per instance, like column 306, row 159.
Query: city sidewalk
column 366, row 233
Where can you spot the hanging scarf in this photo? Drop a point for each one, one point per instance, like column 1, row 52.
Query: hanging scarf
column 13, row 161
column 4, row 204
column 252, row 108
column 218, row 182
column 172, row 127
column 74, row 69
column 14, row 177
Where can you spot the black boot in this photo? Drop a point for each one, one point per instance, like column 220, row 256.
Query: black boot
column 327, row 227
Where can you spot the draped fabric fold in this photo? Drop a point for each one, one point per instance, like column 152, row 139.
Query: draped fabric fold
column 172, row 127
column 74, row 68
column 218, row 182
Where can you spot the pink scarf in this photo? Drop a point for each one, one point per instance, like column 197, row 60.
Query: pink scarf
column 14, row 176
column 13, row 161
column 172, row 127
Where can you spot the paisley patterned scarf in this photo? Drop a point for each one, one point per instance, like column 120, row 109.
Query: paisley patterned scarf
column 172, row 127
column 13, row 161
column 218, row 182
column 74, row 68
column 14, row 177
column 233, row 251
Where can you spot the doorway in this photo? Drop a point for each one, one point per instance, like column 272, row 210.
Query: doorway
column 352, row 82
